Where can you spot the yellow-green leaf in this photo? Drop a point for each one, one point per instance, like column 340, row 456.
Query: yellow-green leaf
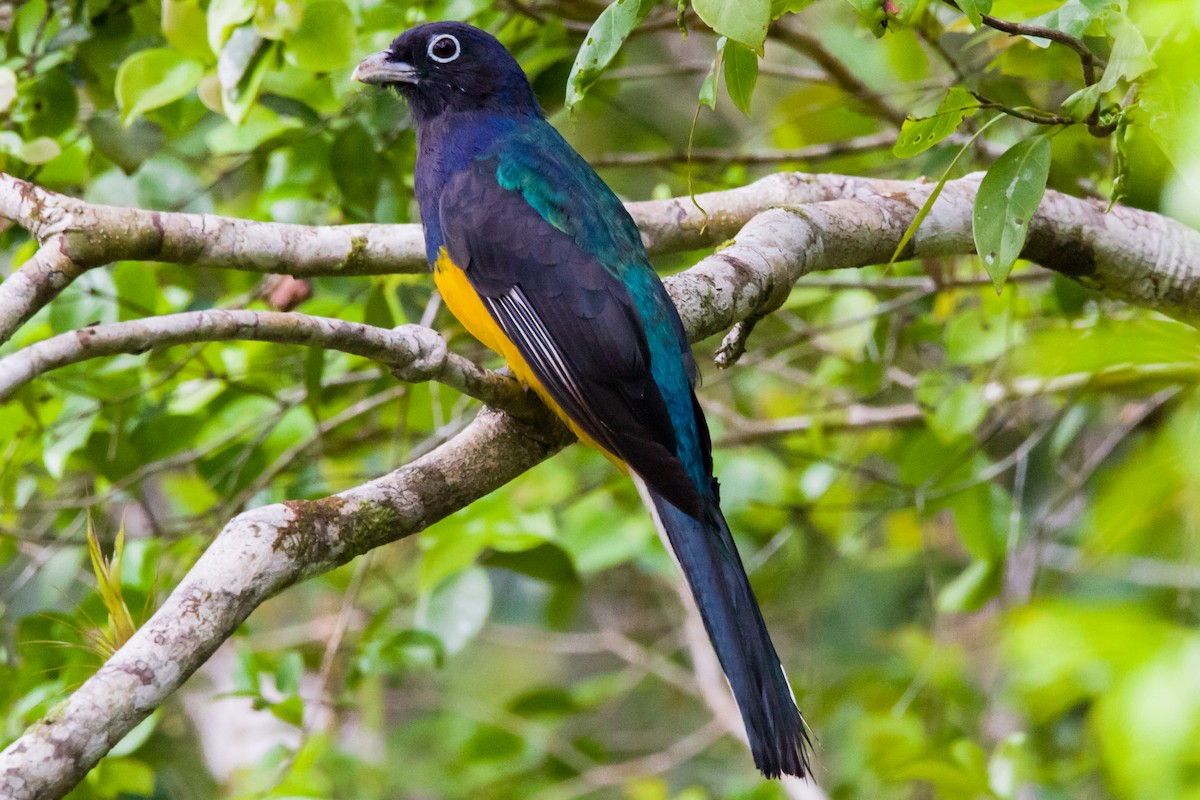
column 108, row 582
column 708, row 88
column 180, row 21
column 153, row 78
column 741, row 73
column 975, row 9
column 603, row 41
column 224, row 16
column 276, row 19
column 919, row 134
column 1130, row 57
column 743, row 21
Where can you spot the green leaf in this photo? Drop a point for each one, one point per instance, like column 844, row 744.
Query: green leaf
column 972, row 588
column 180, row 21
column 376, row 309
column 1008, row 196
column 546, row 562
column 603, row 41
column 1059, row 654
column 125, row 146
column 975, row 9
column 902, row 13
column 244, row 673
column 108, row 585
column 123, row 777
column 30, row 23
column 325, row 39
column 49, row 106
column 289, row 710
column 1074, row 18
column 240, row 72
column 1080, row 104
column 741, row 73
column 1165, row 107
column 974, row 336
column 919, row 134
column 1130, row 57
column 781, row 7
column 958, row 413
column 927, row 206
column 708, row 89
column 544, row 702
column 1106, row 345
column 388, row 652
column 223, row 17
column 743, row 21
column 495, row 745
column 150, row 79
column 276, row 19
column 457, row 608
column 289, row 670
column 1136, row 497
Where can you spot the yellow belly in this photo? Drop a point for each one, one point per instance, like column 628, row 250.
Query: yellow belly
column 464, row 303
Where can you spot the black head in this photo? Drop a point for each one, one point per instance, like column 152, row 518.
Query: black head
column 450, row 66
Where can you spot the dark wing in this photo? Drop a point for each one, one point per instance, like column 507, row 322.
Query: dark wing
column 572, row 320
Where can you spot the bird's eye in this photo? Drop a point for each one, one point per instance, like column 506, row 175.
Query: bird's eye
column 444, row 49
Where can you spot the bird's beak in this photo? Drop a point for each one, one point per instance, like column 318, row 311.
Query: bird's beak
column 377, row 69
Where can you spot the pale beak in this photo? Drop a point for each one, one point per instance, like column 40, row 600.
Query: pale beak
column 378, row 70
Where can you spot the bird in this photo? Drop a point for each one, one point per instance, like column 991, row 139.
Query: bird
column 539, row 260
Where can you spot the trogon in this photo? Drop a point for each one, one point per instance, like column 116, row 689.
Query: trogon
column 540, row 261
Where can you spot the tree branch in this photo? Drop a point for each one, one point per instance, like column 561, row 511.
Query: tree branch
column 1128, row 254
column 1154, row 248
column 413, row 353
column 38, row 281
column 95, row 234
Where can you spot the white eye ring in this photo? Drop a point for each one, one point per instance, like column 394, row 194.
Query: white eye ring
column 435, row 41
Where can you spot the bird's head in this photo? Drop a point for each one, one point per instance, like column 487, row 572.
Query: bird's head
column 450, row 66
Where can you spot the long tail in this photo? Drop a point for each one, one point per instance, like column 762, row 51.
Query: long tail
column 709, row 560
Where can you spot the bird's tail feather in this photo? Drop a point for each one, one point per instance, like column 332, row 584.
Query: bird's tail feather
column 708, row 558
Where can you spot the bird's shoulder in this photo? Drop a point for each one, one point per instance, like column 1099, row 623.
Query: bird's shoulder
column 535, row 161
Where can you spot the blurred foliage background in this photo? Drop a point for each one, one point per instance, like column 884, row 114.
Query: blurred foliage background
column 985, row 588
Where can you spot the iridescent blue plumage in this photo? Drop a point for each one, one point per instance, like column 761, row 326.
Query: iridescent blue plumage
column 556, row 267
